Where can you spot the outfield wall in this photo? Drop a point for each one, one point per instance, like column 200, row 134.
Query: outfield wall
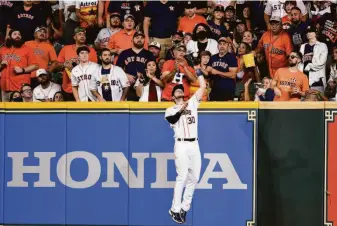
column 113, row 164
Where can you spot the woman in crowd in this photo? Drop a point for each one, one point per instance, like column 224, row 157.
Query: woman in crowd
column 330, row 90
column 58, row 97
column 15, row 97
column 263, row 91
column 149, row 87
column 203, row 58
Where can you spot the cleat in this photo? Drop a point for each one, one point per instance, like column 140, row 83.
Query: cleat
column 175, row 217
column 183, row 215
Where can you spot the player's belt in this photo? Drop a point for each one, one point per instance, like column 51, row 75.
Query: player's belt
column 187, row 139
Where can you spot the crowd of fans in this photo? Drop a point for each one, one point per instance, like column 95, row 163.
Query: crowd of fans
column 272, row 50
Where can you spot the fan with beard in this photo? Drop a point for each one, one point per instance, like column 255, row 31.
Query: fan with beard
column 15, row 43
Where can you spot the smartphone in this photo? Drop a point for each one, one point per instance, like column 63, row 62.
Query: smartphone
column 258, row 85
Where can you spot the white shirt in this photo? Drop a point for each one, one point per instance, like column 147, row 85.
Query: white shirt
column 81, row 77
column 187, row 125
column 48, row 93
column 276, row 8
column 146, row 90
column 117, row 80
column 104, row 35
column 63, row 5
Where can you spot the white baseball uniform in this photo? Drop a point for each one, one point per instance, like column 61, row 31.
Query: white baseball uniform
column 116, row 79
column 187, row 153
column 81, row 78
column 276, row 8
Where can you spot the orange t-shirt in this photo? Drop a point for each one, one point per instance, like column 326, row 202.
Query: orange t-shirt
column 68, row 54
column 286, row 80
column 123, row 40
column 44, row 53
column 180, row 78
column 21, row 57
column 187, row 24
column 276, row 49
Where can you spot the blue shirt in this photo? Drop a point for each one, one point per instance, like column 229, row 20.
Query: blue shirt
column 223, row 64
column 217, row 30
column 163, row 18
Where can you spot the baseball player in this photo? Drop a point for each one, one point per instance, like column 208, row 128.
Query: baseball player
column 183, row 118
column 82, row 74
column 110, row 83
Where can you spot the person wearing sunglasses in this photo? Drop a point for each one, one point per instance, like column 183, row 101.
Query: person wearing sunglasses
column 289, row 83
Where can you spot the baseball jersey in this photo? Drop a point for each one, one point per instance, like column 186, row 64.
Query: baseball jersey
column 276, row 8
column 104, row 35
column 110, row 83
column 21, row 57
column 44, row 53
column 81, row 77
column 88, row 10
column 187, row 125
column 48, row 93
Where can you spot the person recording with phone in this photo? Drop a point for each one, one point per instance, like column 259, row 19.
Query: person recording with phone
column 263, row 90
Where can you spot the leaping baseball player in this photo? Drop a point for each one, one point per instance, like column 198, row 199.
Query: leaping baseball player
column 183, row 119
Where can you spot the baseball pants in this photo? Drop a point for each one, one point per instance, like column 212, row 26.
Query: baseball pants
column 188, row 166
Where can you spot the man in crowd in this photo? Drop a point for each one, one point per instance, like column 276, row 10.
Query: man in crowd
column 68, row 20
column 162, row 16
column 276, row 45
column 44, row 52
column 133, row 61
column 155, row 48
column 17, row 62
column 177, row 71
column 46, row 90
column 82, row 74
column 297, row 28
column 110, row 83
column 68, row 58
column 223, row 88
column 177, row 38
column 187, row 23
column 289, row 83
column 105, row 34
column 314, row 59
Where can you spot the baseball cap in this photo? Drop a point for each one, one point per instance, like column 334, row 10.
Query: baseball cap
column 230, row 8
column 78, row 30
column 222, row 39
column 219, row 8
column 129, row 16
column 138, row 33
column 189, row 5
column 238, row 21
column 155, row 44
column 41, row 71
column 311, row 29
column 39, row 29
column 275, row 18
column 179, row 45
column 180, row 86
column 115, row 14
column 82, row 48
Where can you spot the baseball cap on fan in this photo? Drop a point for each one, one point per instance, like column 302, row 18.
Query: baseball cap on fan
column 155, row 44
column 115, row 14
column 275, row 18
column 40, row 28
column 129, row 16
column 40, row 72
column 139, row 33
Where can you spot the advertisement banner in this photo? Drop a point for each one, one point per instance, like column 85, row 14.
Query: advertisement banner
column 116, row 167
column 330, row 196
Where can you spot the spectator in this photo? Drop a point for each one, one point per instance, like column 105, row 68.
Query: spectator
column 248, row 37
column 287, row 19
column 122, row 40
column 6, row 15
column 290, row 84
column 177, row 38
column 276, row 9
column 276, row 44
column 314, row 95
column 111, row 82
column 332, row 83
column 261, row 64
column 239, row 30
column 162, row 15
column 68, row 20
column 177, row 71
column 26, row 18
column 15, row 97
column 203, row 59
column 87, row 12
column 247, row 18
column 44, row 52
column 18, row 61
column 187, row 38
column 243, row 73
column 216, row 24
column 155, row 48
column 105, row 34
column 297, row 28
column 26, row 93
column 223, row 88
column 82, row 76
column 314, row 59
column 188, row 22
column 46, row 90
column 148, row 87
column 230, row 15
column 263, row 92
column 133, row 61
column 161, row 63
column 68, row 58
column 202, row 41
column 58, row 97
